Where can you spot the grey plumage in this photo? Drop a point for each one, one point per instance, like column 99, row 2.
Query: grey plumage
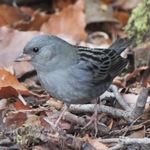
column 74, row 74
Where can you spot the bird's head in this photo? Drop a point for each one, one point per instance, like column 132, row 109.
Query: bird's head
column 46, row 50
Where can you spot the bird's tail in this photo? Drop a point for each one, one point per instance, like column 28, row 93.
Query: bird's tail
column 121, row 44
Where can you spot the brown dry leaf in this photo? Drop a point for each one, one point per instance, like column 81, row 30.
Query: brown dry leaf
column 135, row 88
column 26, row 118
column 98, row 145
column 10, row 14
column 135, row 72
column 8, row 80
column 39, row 148
column 122, row 16
column 44, row 124
column 146, row 80
column 14, row 120
column 142, row 54
column 12, row 43
column 111, row 123
column 2, row 21
column 37, row 19
column 95, row 143
column 145, row 115
column 63, row 4
column 119, row 82
column 31, row 84
column 107, row 1
column 8, row 91
column 33, row 120
column 138, row 134
column 126, row 4
column 70, row 21
column 10, row 86
column 130, row 4
column 131, row 100
column 18, row 105
column 27, row 10
column 55, row 103
column 146, row 75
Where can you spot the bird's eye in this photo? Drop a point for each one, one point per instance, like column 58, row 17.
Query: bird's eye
column 35, row 49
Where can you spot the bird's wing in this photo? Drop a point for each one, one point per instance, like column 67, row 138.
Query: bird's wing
column 121, row 44
column 102, row 63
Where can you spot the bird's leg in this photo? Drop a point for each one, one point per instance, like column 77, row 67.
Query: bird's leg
column 93, row 118
column 62, row 114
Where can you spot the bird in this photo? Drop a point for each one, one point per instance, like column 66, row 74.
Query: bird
column 74, row 74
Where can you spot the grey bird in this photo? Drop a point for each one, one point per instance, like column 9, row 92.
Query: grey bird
column 71, row 73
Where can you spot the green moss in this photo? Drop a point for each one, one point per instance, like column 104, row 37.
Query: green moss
column 139, row 23
column 27, row 136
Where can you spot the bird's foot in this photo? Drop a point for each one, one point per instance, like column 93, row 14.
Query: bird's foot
column 61, row 115
column 93, row 119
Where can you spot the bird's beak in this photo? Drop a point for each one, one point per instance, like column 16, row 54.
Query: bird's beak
column 23, row 57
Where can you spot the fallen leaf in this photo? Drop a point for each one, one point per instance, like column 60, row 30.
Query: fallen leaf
column 10, row 14
column 107, row 1
column 126, row 4
column 70, row 21
column 35, row 23
column 2, row 21
column 98, row 145
column 134, row 73
column 122, row 16
column 14, row 120
column 33, row 120
column 12, row 43
column 138, row 134
column 27, row 10
column 119, row 82
column 18, row 105
column 63, row 4
column 10, row 86
column 131, row 100
column 8, row 91
column 8, row 80
column 55, row 103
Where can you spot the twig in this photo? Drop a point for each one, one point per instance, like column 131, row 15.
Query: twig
column 101, row 108
column 82, row 122
column 123, row 141
column 119, row 98
column 140, row 104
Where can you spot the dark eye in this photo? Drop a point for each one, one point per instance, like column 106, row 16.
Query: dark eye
column 35, row 49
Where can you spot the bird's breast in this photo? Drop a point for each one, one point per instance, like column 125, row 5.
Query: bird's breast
column 74, row 87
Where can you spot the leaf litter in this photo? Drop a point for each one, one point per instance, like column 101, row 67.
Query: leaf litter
column 28, row 114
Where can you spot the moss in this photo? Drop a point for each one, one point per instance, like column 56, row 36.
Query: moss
column 139, row 23
column 27, row 136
